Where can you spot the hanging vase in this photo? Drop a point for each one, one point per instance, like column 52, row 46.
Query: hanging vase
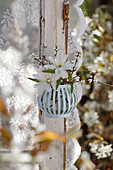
column 58, row 103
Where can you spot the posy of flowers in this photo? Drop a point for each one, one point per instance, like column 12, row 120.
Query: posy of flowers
column 53, row 72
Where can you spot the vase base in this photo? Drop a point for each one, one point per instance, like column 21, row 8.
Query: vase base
column 58, row 116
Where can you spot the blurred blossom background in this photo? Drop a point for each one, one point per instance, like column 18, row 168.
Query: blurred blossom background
column 19, row 42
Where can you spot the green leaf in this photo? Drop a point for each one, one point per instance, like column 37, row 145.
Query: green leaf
column 71, row 87
column 97, row 37
column 69, row 76
column 58, row 83
column 48, row 71
column 34, row 80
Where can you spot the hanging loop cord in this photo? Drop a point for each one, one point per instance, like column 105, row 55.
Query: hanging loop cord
column 66, row 19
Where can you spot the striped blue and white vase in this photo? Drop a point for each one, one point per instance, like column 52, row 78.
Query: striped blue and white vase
column 58, row 103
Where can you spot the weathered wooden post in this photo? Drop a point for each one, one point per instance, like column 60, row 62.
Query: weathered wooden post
column 52, row 35
column 54, row 16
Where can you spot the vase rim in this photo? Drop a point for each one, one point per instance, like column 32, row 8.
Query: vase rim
column 64, row 85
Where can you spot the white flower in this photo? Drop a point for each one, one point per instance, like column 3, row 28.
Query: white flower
column 104, row 151
column 47, row 80
column 60, row 64
column 91, row 118
column 101, row 150
column 94, row 147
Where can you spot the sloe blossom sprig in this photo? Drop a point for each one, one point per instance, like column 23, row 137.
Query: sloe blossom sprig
column 101, row 150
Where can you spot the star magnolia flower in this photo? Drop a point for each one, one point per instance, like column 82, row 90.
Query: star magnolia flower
column 60, row 65
column 46, row 82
